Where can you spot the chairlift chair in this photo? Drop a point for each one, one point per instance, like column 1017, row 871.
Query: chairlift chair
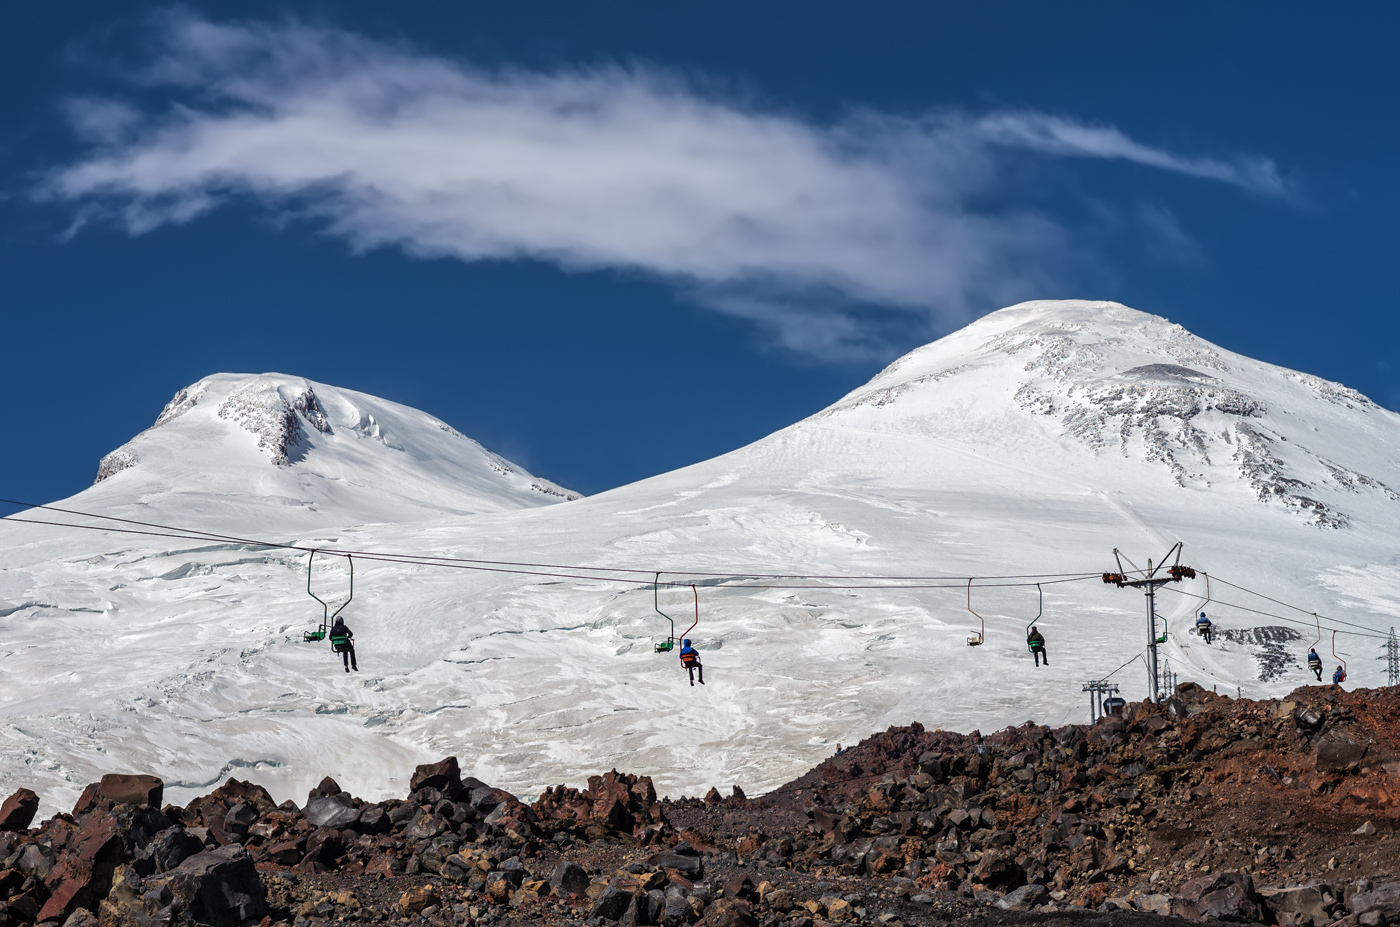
column 975, row 640
column 669, row 644
column 1038, row 613
column 327, row 616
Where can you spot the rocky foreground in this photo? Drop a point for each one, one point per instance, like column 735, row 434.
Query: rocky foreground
column 1203, row 807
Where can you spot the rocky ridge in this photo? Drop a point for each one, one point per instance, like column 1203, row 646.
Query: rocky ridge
column 1203, row 807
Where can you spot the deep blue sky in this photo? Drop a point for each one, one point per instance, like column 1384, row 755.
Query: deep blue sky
column 596, row 377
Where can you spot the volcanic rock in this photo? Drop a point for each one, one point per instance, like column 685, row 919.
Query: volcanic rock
column 1223, row 896
column 444, row 775
column 18, row 811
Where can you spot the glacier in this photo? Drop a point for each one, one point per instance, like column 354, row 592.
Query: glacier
column 1034, row 441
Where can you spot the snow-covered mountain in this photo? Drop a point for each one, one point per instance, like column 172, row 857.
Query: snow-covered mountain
column 231, row 446
column 1036, row 440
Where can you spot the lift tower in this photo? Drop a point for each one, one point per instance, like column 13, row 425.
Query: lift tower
column 1148, row 580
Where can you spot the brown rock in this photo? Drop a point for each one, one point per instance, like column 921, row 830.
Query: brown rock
column 444, row 775
column 289, row 852
column 18, row 811
column 1339, row 753
column 499, row 891
column 120, row 790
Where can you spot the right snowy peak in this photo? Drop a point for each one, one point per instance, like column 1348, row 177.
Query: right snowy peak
column 1077, row 383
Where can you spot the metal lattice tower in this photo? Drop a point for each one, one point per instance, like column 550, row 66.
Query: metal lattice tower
column 1392, row 658
column 1166, row 679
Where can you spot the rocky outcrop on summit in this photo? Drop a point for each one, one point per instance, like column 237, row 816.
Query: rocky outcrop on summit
column 276, row 419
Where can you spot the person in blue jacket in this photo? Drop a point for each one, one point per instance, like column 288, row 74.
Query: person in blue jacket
column 1204, row 627
column 1315, row 663
column 1339, row 677
column 690, row 659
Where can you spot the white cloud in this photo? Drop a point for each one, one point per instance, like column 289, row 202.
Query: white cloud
column 798, row 226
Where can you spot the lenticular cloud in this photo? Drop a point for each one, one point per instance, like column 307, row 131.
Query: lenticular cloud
column 803, row 228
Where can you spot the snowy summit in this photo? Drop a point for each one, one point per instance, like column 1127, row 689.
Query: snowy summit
column 1034, row 441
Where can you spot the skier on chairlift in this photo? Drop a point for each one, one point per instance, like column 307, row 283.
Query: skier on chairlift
column 1339, row 677
column 1204, row 628
column 1315, row 663
column 690, row 659
column 1036, row 642
column 343, row 642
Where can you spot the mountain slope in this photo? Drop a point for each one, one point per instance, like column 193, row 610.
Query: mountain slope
column 1037, row 440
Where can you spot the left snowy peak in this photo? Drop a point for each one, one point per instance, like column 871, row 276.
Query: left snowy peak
column 235, row 441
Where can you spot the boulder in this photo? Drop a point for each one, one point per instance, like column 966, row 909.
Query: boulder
column 417, row 898
column 83, row 872
column 1383, row 899
column 677, row 909
column 691, row 867
column 444, row 775
column 373, row 821
column 999, row 870
column 1025, row 898
column 325, row 845
column 238, row 819
column 611, row 904
column 1221, row 896
column 169, row 849
column 1339, row 753
column 568, row 879
column 81, row 918
column 18, row 811
column 121, row 790
column 327, row 787
column 336, row 811
column 217, row 887
column 1301, row 901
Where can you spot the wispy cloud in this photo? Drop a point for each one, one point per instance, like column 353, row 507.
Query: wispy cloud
column 804, row 228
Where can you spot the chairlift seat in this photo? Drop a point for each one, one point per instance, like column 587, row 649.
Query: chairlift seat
column 312, row 636
column 664, row 646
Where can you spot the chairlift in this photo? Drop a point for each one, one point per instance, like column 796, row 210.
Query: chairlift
column 1114, row 705
column 327, row 616
column 975, row 640
column 669, row 643
column 1338, row 656
column 1313, row 660
column 1032, row 623
column 1201, row 609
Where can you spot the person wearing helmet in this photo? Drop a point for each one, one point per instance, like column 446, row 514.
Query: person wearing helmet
column 1036, row 642
column 1315, row 663
column 690, row 659
column 1204, row 627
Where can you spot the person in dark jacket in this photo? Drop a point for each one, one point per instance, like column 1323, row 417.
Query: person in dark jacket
column 1315, row 663
column 1036, row 642
column 343, row 643
column 690, row 659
